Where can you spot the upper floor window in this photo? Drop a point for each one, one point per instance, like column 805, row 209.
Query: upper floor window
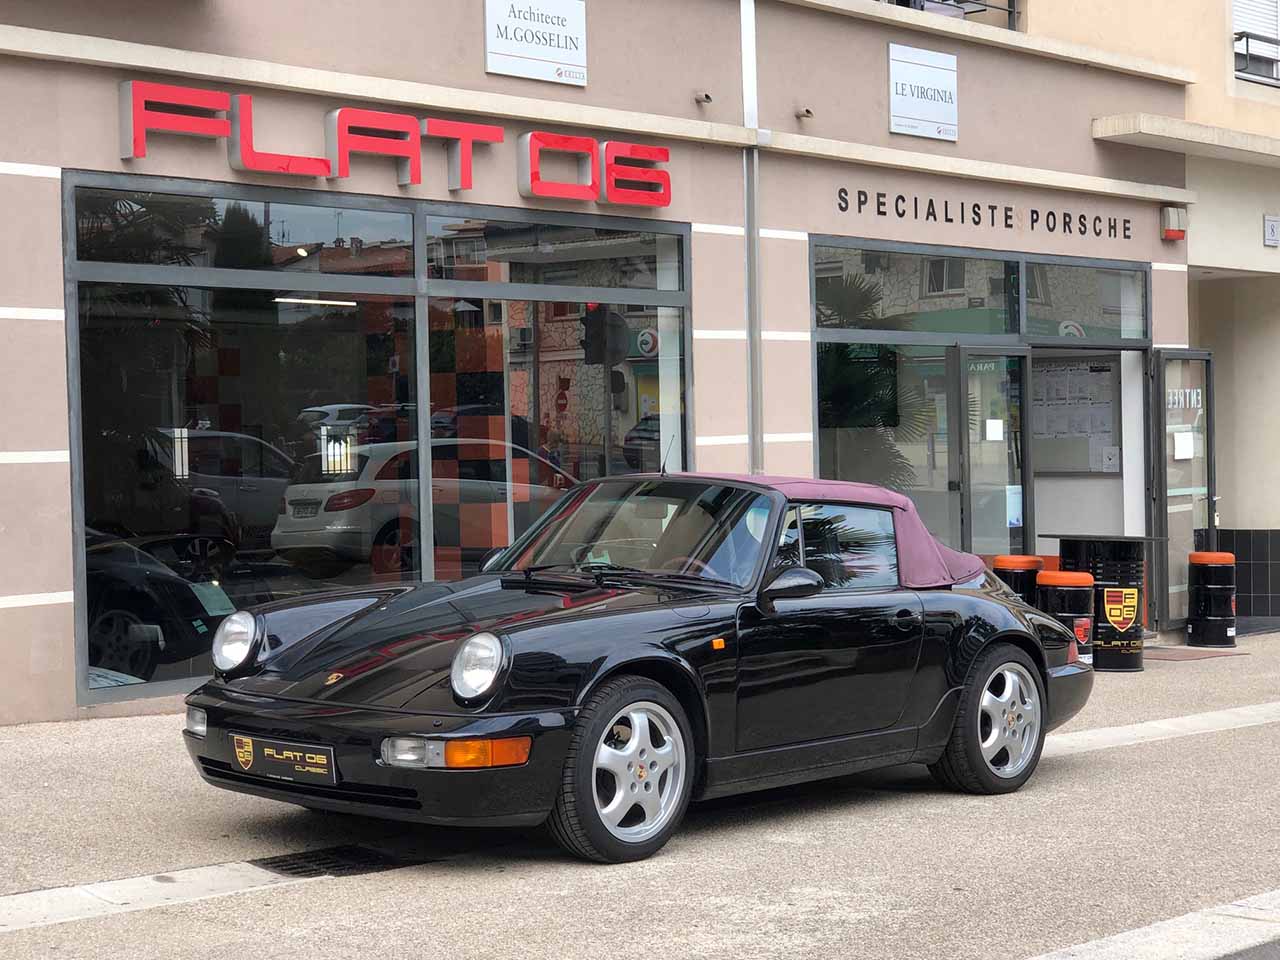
column 1001, row 13
column 1257, row 48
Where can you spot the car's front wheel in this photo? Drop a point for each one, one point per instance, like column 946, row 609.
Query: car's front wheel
column 999, row 730
column 628, row 773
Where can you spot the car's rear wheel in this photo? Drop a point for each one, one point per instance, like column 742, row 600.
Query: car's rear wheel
column 113, row 646
column 999, row 731
column 628, row 774
column 395, row 549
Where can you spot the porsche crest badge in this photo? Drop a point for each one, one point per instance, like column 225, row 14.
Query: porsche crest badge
column 1121, row 606
column 331, row 679
column 244, row 751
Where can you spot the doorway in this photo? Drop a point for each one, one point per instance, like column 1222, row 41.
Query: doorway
column 1184, row 474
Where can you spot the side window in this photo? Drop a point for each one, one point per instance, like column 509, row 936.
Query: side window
column 788, row 554
column 275, row 465
column 850, row 546
column 204, row 456
column 250, row 451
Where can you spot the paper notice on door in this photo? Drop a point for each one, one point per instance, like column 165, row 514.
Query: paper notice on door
column 995, row 429
column 1184, row 445
column 1013, row 504
column 1110, row 459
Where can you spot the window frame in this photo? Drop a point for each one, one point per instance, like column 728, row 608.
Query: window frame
column 852, row 504
column 947, row 290
column 1019, row 337
column 417, row 286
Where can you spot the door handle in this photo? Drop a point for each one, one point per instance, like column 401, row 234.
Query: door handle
column 248, row 486
column 907, row 619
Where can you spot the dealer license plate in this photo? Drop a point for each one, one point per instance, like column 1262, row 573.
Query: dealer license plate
column 284, row 760
column 306, row 508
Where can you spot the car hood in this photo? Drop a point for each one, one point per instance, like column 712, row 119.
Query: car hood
column 397, row 650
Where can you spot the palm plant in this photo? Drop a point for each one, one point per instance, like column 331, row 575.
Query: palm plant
column 859, row 393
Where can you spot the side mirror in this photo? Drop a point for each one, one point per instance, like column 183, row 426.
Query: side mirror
column 486, row 561
column 791, row 583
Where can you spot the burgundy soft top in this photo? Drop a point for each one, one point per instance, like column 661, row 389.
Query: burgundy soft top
column 922, row 560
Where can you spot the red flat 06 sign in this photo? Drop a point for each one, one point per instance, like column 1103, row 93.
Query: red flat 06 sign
column 606, row 172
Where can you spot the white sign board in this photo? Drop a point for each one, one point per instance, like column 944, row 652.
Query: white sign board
column 537, row 39
column 1270, row 231
column 923, row 101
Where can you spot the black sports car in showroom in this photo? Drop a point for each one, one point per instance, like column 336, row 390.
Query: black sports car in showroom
column 651, row 640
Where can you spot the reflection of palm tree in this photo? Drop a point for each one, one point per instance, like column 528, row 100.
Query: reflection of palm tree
column 859, row 392
column 842, row 555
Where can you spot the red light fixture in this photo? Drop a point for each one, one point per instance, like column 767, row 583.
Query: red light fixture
column 1173, row 223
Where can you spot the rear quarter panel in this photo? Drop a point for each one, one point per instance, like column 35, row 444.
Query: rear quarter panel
column 959, row 624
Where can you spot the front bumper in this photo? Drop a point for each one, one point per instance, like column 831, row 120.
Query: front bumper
column 1068, row 691
column 501, row 796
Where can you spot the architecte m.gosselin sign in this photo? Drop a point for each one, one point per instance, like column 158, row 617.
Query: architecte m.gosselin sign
column 537, row 39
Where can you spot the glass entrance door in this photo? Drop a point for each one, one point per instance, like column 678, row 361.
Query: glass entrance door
column 1185, row 450
column 995, row 501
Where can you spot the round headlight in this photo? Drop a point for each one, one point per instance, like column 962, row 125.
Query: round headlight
column 233, row 640
column 476, row 665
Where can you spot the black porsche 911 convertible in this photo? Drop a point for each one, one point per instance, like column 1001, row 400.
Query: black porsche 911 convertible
column 651, row 640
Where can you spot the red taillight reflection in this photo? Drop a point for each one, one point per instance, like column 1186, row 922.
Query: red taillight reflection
column 398, row 467
column 348, row 499
column 1083, row 627
column 1073, row 652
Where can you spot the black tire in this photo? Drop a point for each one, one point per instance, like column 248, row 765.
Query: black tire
column 109, row 646
column 962, row 766
column 574, row 822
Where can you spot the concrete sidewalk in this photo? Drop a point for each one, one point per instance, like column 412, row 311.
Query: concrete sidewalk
column 883, row 864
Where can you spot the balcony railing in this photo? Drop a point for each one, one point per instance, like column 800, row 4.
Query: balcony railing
column 1257, row 57
column 999, row 14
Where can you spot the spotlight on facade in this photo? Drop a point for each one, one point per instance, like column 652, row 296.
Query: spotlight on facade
column 804, row 113
column 702, row 98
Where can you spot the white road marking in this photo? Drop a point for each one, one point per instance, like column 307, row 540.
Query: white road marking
column 40, row 908
column 1203, row 935
column 1083, row 741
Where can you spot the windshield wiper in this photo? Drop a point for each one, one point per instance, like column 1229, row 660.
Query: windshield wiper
column 600, row 569
column 694, row 579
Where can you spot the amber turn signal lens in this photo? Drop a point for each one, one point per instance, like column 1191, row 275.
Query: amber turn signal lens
column 507, row 752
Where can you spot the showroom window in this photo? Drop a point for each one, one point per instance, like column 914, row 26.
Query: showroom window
column 968, row 380
column 1085, row 302
column 273, row 402
column 910, row 292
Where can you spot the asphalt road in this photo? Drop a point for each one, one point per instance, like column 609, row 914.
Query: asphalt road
column 882, row 865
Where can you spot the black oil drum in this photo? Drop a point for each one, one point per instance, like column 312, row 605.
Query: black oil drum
column 1211, row 610
column 1067, row 596
column 1019, row 572
column 1119, row 572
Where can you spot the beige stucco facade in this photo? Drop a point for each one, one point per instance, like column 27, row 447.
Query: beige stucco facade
column 61, row 66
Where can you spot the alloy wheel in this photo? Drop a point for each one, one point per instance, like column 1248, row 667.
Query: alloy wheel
column 111, row 647
column 639, row 772
column 1009, row 720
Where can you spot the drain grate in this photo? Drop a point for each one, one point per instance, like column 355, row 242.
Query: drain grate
column 345, row 861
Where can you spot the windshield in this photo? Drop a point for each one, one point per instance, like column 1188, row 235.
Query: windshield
column 659, row 527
